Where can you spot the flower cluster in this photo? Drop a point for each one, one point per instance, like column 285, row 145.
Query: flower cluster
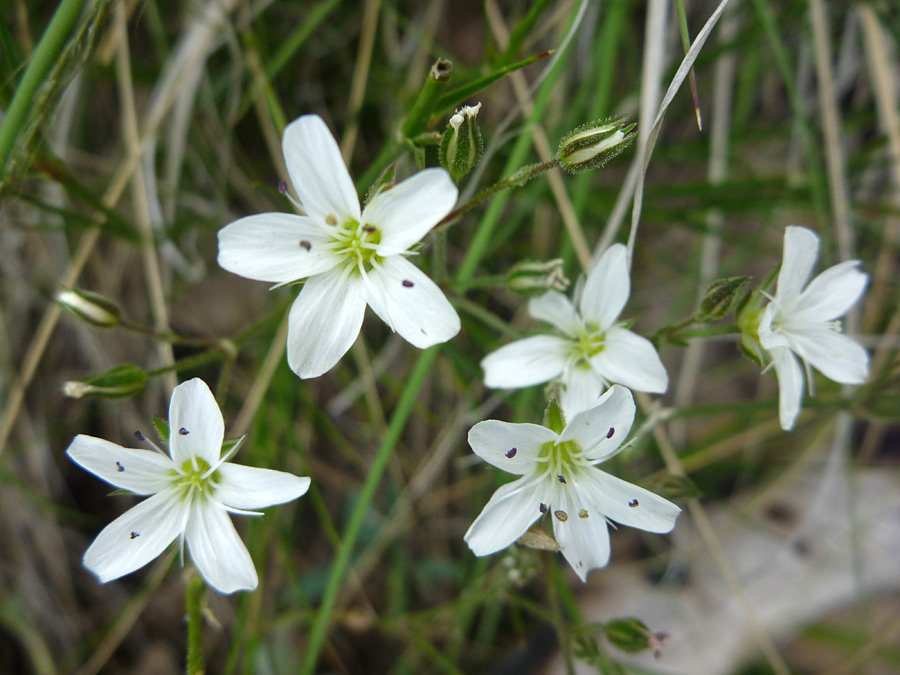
column 350, row 257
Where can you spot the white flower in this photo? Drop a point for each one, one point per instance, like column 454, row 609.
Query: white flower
column 594, row 351
column 800, row 322
column 559, row 476
column 349, row 258
column 192, row 493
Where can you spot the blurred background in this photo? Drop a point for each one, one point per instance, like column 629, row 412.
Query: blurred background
column 155, row 123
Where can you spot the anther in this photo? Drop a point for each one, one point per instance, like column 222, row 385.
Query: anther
column 609, row 434
column 561, row 479
column 135, row 535
column 633, row 503
column 583, row 513
column 138, row 435
column 512, row 452
column 282, row 187
column 305, row 245
column 369, row 228
column 183, row 431
column 561, row 515
column 407, row 283
column 331, row 219
column 119, row 467
column 543, row 507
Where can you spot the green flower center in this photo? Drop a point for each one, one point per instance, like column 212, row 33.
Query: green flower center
column 589, row 344
column 357, row 244
column 562, row 460
column 196, row 483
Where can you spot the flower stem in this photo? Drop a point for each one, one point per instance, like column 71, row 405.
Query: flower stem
column 408, row 398
column 193, row 601
column 43, row 58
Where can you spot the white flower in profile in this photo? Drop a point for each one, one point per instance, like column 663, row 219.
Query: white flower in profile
column 559, row 475
column 799, row 324
column 193, row 489
column 594, row 350
column 348, row 257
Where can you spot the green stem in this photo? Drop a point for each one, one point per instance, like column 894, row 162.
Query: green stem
column 193, row 601
column 408, row 399
column 42, row 60
column 429, row 95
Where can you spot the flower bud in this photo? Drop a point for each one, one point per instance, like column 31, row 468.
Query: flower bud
column 90, row 307
column 120, row 381
column 533, row 277
column 590, row 146
column 462, row 144
column 629, row 635
column 721, row 297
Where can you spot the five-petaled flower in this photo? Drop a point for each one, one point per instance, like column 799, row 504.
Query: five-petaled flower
column 799, row 324
column 594, row 351
column 348, row 257
column 559, row 476
column 193, row 490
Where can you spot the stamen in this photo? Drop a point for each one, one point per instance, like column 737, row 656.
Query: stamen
column 512, row 452
column 119, row 467
column 561, row 515
column 369, row 228
column 135, row 535
column 583, row 513
column 183, row 432
column 609, row 434
column 634, row 503
column 331, row 219
column 543, row 507
column 304, row 244
column 138, row 435
column 407, row 283
column 282, row 187
column 561, row 479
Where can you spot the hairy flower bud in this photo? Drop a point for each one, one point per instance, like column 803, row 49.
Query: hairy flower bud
column 590, row 146
column 462, row 144
column 90, row 307
column 533, row 277
column 721, row 297
column 120, row 381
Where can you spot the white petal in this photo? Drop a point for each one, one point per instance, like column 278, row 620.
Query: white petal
column 406, row 212
column 217, row 550
column 600, row 430
column 274, row 247
column 582, row 389
column 837, row 356
column 555, row 308
column 317, row 170
column 801, row 249
column 324, row 322
column 525, row 362
column 631, row 360
column 628, row 504
column 196, row 428
column 581, row 531
column 607, row 288
column 506, row 517
column 511, row 447
column 144, row 472
column 248, row 487
column 831, row 294
column 790, row 385
column 411, row 303
column 136, row 537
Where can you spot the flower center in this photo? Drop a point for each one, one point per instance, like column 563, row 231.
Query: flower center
column 564, row 461
column 589, row 344
column 196, row 484
column 357, row 244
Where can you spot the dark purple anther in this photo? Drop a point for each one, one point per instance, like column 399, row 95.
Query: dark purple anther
column 407, row 283
column 609, row 434
column 138, row 435
column 183, row 431
column 561, row 479
column 119, row 467
column 135, row 535
column 282, row 187
column 305, row 245
column 369, row 228
column 633, row 503
column 543, row 507
column 512, row 452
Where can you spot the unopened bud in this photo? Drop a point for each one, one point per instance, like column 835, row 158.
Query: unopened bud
column 629, row 635
column 533, row 277
column 590, row 146
column 120, row 381
column 462, row 144
column 721, row 297
column 90, row 307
